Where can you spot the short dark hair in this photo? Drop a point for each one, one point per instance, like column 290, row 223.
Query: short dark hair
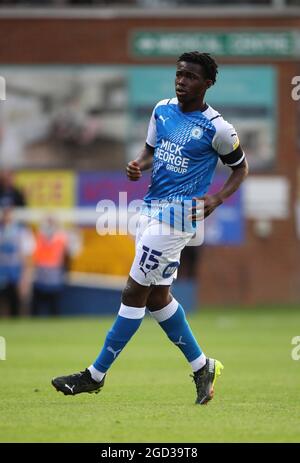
column 208, row 64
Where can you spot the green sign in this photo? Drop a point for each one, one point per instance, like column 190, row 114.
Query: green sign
column 251, row 43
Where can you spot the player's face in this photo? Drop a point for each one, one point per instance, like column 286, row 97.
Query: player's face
column 190, row 83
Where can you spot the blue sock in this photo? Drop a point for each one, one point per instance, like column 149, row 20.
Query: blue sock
column 173, row 321
column 126, row 324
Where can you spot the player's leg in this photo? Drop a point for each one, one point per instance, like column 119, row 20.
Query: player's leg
column 171, row 317
column 133, row 305
column 129, row 319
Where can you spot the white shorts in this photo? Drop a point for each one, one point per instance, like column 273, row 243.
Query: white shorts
column 157, row 252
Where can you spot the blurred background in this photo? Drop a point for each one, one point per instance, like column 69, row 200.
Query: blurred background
column 81, row 79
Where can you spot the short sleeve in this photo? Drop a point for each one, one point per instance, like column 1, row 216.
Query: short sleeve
column 151, row 135
column 226, row 143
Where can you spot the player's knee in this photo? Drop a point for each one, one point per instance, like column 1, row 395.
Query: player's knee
column 134, row 295
column 158, row 300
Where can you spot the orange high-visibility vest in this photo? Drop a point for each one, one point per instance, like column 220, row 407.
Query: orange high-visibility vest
column 49, row 252
column 48, row 259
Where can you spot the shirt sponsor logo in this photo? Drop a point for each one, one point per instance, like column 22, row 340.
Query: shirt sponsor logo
column 170, row 153
column 170, row 269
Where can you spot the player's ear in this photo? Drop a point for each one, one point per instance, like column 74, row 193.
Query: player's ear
column 209, row 83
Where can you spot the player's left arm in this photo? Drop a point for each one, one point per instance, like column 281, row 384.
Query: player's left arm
column 226, row 144
column 238, row 175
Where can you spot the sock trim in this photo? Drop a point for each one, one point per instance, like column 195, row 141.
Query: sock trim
column 198, row 363
column 96, row 375
column 131, row 312
column 166, row 312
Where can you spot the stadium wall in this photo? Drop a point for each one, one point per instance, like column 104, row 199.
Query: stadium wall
column 263, row 270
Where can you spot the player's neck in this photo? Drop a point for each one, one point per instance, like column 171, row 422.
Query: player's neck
column 192, row 106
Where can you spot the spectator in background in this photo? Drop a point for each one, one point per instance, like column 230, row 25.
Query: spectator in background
column 53, row 247
column 16, row 248
column 10, row 195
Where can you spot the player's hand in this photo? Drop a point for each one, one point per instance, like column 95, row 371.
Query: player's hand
column 204, row 206
column 133, row 171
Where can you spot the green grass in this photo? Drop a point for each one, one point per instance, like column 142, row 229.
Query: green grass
column 148, row 395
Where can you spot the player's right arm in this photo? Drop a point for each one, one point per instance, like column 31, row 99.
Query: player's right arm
column 145, row 160
column 142, row 162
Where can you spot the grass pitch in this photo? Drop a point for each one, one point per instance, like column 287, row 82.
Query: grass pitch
column 148, row 395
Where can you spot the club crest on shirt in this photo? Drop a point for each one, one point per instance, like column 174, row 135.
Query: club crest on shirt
column 196, row 133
